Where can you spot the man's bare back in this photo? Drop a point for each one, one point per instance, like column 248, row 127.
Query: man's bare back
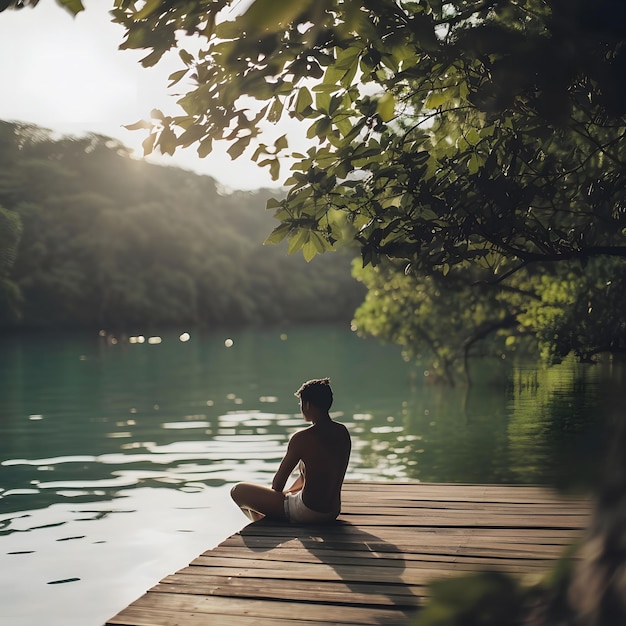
column 322, row 451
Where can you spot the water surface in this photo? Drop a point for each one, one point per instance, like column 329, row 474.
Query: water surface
column 117, row 454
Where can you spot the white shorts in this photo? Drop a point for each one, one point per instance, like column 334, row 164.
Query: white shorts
column 298, row 512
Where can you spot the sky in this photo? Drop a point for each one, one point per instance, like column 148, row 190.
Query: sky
column 66, row 74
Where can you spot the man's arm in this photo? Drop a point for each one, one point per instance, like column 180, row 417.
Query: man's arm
column 292, row 456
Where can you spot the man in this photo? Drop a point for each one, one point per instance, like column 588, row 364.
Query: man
column 322, row 451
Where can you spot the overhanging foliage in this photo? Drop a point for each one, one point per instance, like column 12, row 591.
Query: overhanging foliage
column 461, row 132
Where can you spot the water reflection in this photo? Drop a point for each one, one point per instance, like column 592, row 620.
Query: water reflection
column 545, row 427
column 556, row 425
column 442, row 435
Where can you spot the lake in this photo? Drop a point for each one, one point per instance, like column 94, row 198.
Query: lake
column 117, row 454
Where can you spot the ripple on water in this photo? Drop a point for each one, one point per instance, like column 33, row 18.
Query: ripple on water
column 50, row 461
column 185, row 425
column 125, row 480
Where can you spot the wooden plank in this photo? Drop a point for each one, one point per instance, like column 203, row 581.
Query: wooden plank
column 423, row 535
column 359, row 557
column 467, row 496
column 572, row 522
column 263, row 538
column 357, row 507
column 374, row 565
column 153, row 617
column 374, row 573
column 361, row 593
column 466, row 557
column 177, row 605
column 467, row 509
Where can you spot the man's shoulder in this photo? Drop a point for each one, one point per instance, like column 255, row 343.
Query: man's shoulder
column 341, row 427
column 338, row 432
column 301, row 435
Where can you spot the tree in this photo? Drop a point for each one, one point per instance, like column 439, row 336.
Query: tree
column 539, row 311
column 486, row 132
column 577, row 310
column 474, row 136
column 10, row 234
column 442, row 321
column 458, row 138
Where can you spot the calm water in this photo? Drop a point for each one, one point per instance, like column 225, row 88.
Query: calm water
column 116, row 459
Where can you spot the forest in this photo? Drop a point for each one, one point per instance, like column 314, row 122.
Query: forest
column 92, row 238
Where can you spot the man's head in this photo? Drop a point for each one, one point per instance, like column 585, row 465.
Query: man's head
column 317, row 392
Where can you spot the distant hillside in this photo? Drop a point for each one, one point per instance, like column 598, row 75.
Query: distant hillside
column 91, row 238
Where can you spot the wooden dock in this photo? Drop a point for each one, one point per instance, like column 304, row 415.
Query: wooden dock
column 370, row 567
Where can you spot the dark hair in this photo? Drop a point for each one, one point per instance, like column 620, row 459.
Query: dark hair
column 317, row 392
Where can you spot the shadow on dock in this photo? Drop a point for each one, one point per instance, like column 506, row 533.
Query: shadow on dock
column 349, row 551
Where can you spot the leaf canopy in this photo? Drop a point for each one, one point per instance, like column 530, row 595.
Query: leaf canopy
column 445, row 132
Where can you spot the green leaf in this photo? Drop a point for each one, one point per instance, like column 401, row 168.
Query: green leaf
column 472, row 137
column 436, row 99
column 271, row 15
column 473, row 165
column 227, row 30
column 322, row 101
column 275, row 169
column 205, row 147
column 344, row 125
column 191, row 135
column 176, row 76
column 184, row 121
column 141, row 124
column 320, row 128
column 236, row 150
column 298, row 240
column 167, row 141
column 320, row 244
column 347, row 58
column 186, row 57
column 275, row 111
column 148, row 144
column 303, row 101
column 273, row 203
column 326, row 87
column 309, row 251
column 281, row 143
column 149, row 7
column 261, row 149
column 348, row 78
column 75, row 6
column 386, row 107
column 153, row 58
column 278, row 234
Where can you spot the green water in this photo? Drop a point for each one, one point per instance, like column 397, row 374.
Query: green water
column 116, row 458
